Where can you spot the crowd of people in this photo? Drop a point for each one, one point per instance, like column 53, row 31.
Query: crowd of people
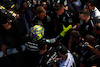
column 56, row 33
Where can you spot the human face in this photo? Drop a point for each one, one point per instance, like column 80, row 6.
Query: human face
column 25, row 5
column 88, row 5
column 42, row 15
column 60, row 12
column 82, row 17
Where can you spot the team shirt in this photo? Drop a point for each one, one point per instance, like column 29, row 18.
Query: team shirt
column 69, row 62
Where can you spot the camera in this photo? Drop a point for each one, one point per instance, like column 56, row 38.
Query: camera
column 82, row 43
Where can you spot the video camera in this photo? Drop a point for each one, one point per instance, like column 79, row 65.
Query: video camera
column 82, row 43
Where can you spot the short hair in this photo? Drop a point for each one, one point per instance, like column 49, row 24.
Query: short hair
column 97, row 26
column 93, row 2
column 58, row 6
column 40, row 10
column 90, row 38
column 75, row 34
column 85, row 11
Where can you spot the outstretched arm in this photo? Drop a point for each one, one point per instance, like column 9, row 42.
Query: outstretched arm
column 59, row 37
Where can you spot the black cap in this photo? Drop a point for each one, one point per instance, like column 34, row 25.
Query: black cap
column 62, row 49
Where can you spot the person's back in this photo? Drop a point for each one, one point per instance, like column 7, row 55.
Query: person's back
column 31, row 53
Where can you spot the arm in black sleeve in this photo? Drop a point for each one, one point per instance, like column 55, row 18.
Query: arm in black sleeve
column 59, row 37
column 53, row 40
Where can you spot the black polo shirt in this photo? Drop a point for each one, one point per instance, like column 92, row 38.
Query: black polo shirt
column 46, row 58
column 47, row 23
column 64, row 19
column 86, row 28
